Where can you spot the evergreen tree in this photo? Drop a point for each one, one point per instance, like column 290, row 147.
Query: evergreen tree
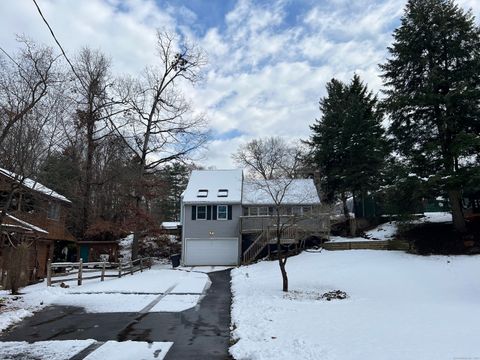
column 348, row 142
column 174, row 179
column 433, row 94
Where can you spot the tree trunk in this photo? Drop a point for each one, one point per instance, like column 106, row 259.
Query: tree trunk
column 281, row 263
column 87, row 188
column 457, row 211
column 350, row 223
column 281, row 260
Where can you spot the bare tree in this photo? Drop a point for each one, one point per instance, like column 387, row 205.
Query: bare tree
column 272, row 165
column 94, row 107
column 24, row 81
column 159, row 124
column 30, row 109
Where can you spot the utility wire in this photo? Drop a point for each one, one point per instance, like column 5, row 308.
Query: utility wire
column 11, row 58
column 56, row 40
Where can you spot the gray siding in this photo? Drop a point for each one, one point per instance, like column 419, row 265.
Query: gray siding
column 221, row 228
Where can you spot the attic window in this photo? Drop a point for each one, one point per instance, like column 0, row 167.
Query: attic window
column 222, row 193
column 203, row 193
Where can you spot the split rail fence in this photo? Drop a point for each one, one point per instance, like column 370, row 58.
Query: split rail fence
column 79, row 271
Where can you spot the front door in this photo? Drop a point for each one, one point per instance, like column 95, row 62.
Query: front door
column 84, row 251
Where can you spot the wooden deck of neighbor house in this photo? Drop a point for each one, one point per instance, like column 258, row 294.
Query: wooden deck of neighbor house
column 294, row 230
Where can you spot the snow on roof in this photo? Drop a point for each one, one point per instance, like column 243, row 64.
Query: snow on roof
column 214, row 186
column 297, row 191
column 25, row 224
column 171, row 225
column 34, row 185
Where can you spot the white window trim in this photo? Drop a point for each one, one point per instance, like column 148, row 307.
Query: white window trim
column 226, row 212
column 198, row 207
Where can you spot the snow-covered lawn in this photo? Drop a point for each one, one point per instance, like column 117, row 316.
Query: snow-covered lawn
column 388, row 230
column 130, row 293
column 65, row 349
column 399, row 307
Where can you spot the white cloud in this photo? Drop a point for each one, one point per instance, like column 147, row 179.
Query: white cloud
column 265, row 76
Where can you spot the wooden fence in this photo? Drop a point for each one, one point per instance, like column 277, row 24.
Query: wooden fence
column 102, row 270
column 367, row 245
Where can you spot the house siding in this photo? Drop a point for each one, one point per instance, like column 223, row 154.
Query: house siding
column 220, row 228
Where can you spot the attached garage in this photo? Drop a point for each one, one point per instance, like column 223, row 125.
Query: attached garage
column 212, row 251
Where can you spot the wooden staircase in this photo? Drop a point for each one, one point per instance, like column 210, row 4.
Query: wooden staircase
column 256, row 247
column 265, row 237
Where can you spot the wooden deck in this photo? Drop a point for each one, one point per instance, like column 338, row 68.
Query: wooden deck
column 314, row 225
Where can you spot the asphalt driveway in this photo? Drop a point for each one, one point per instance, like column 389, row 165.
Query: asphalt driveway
column 202, row 332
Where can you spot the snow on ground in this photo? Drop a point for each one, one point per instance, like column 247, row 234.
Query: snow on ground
column 125, row 248
column 51, row 350
column 106, row 303
column 65, row 349
column 129, row 350
column 130, row 293
column 176, row 303
column 388, row 230
column 400, row 307
column 204, row 269
column 436, row 217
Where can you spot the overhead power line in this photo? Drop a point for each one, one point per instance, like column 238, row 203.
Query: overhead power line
column 56, row 40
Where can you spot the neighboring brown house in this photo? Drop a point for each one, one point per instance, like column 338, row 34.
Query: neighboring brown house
column 36, row 215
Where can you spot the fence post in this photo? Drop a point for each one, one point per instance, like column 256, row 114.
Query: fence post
column 80, row 270
column 131, row 267
column 49, row 272
column 141, row 265
column 149, row 263
column 102, row 278
column 119, row 269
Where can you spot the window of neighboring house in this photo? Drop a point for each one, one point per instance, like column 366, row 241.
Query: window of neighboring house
column 306, row 210
column 202, row 193
column 253, row 211
column 222, row 212
column 202, row 212
column 296, row 210
column 53, row 212
column 263, row 210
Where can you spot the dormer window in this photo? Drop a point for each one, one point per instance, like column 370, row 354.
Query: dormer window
column 202, row 193
column 222, row 193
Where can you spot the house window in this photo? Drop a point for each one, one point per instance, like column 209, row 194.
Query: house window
column 53, row 212
column 222, row 212
column 262, row 211
column 202, row 212
column 222, row 193
column 296, row 210
column 253, row 211
column 306, row 210
column 202, row 193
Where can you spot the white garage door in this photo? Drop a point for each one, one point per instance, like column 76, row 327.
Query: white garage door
column 211, row 251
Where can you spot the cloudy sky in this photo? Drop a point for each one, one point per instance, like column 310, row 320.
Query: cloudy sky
column 268, row 61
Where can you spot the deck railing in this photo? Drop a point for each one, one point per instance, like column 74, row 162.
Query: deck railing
column 313, row 224
column 101, row 270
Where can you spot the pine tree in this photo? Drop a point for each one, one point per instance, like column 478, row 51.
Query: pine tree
column 433, row 94
column 348, row 141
